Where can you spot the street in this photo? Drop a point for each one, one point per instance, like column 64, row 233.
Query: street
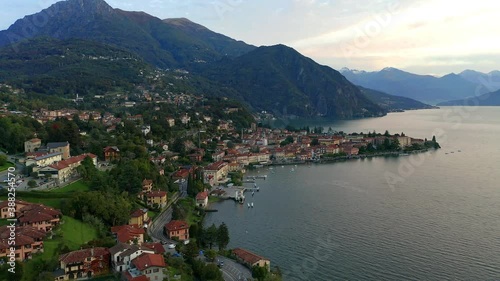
column 233, row 271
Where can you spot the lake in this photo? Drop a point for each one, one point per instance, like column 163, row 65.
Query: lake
column 432, row 216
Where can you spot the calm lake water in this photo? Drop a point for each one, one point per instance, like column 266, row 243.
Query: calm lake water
column 435, row 216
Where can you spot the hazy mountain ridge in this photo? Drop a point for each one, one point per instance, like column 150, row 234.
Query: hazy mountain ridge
column 489, row 99
column 424, row 88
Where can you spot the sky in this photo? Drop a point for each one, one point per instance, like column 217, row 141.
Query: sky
column 421, row 36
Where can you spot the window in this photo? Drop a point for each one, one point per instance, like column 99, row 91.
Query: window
column 156, row 270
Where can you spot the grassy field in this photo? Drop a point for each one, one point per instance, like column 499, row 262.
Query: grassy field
column 6, row 166
column 72, row 233
column 76, row 186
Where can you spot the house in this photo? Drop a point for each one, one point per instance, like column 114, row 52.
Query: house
column 139, row 218
column 39, row 216
column 215, row 172
column 86, row 263
column 9, row 209
column 202, row 199
column 156, row 198
column 129, row 234
column 147, row 185
column 32, row 145
column 250, row 259
column 195, row 157
column 122, row 255
column 146, row 129
column 61, row 147
column 157, row 247
column 28, row 241
column 170, row 121
column 111, row 153
column 179, row 229
column 149, row 265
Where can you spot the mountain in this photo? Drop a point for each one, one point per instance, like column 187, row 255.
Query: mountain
column 68, row 67
column 275, row 78
column 169, row 43
column 281, row 80
column 393, row 103
column 424, row 88
column 489, row 99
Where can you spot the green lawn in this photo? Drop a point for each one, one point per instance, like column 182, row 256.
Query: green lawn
column 76, row 233
column 73, row 233
column 152, row 214
column 76, row 186
column 6, row 166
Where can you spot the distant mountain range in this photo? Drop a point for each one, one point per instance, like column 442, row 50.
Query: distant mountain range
column 489, row 99
column 275, row 78
column 425, row 88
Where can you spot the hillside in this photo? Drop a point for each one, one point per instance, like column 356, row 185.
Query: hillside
column 489, row 99
column 393, row 103
column 161, row 43
column 424, row 88
column 281, row 80
column 69, row 67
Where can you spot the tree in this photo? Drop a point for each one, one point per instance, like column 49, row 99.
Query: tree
column 191, row 251
column 210, row 255
column 386, row 134
column 210, row 235
column 31, row 183
column 3, row 159
column 211, row 273
column 222, row 236
column 259, row 272
column 314, row 142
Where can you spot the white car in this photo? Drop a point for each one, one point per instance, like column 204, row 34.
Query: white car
column 186, row 242
column 171, row 246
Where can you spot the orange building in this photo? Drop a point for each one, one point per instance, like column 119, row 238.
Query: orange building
column 179, row 229
column 28, row 241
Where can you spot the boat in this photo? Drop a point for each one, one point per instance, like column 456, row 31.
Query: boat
column 292, row 170
column 258, row 189
column 252, row 205
column 459, row 151
column 248, row 205
column 253, row 192
column 282, row 166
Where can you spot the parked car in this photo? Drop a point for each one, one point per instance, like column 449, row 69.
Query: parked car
column 220, row 264
column 171, row 246
column 186, row 242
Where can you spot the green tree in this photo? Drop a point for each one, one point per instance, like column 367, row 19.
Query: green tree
column 191, row 251
column 259, row 272
column 210, row 235
column 210, row 255
column 31, row 183
column 386, row 134
column 222, row 236
column 3, row 159
column 314, row 142
column 212, row 273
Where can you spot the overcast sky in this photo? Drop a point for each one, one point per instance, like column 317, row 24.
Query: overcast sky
column 421, row 36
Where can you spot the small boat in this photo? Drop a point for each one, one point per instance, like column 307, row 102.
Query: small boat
column 459, row 151
column 253, row 192
column 452, row 152
column 258, row 189
column 248, row 205
column 252, row 205
column 446, row 153
column 282, row 166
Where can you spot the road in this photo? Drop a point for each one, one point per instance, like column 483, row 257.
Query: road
column 233, row 271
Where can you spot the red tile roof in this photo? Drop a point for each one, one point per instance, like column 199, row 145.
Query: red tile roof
column 157, row 247
column 137, row 213
column 156, row 193
column 176, row 225
column 70, row 161
column 247, row 256
column 202, row 195
column 81, row 255
column 129, row 277
column 215, row 166
column 126, row 233
column 146, row 261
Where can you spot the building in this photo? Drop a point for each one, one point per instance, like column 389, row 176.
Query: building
column 404, row 141
column 215, row 172
column 28, row 241
column 149, row 265
column 170, row 121
column 250, row 259
column 122, row 255
column 39, row 216
column 44, row 160
column 61, row 147
column 147, row 185
column 202, row 199
column 179, row 229
column 86, row 263
column 129, row 234
column 32, row 145
column 111, row 153
column 65, row 170
column 156, row 198
column 139, row 218
column 6, row 211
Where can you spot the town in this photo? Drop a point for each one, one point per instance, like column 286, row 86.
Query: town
column 136, row 181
